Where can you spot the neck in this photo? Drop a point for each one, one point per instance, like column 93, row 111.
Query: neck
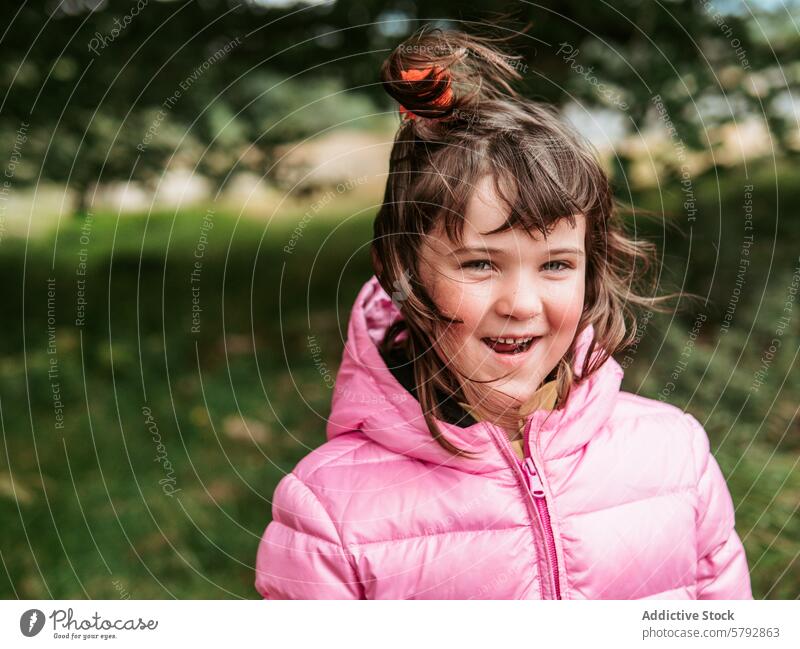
column 486, row 404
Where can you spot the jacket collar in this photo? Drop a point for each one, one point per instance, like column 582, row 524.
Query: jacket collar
column 368, row 397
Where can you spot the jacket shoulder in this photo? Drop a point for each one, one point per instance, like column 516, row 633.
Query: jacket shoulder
column 342, row 453
column 653, row 421
column 666, row 418
column 632, row 406
column 307, row 499
column 374, row 495
column 653, row 427
column 301, row 553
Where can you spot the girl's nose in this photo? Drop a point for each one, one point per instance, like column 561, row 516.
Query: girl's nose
column 519, row 299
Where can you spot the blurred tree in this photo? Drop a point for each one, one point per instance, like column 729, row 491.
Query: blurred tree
column 112, row 90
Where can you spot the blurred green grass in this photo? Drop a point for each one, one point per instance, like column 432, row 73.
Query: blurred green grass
column 238, row 403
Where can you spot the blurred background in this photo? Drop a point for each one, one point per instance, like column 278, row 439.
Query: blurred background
column 186, row 203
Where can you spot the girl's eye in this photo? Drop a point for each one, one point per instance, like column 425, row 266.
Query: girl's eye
column 478, row 264
column 549, row 265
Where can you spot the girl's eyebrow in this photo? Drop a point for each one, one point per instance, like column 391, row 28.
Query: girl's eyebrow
column 566, row 251
column 478, row 249
column 497, row 251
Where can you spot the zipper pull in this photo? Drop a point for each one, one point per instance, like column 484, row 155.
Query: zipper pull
column 534, row 482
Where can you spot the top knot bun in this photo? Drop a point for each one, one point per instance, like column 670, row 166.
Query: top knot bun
column 444, row 75
column 441, row 79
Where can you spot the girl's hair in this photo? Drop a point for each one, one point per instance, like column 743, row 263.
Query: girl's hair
column 463, row 120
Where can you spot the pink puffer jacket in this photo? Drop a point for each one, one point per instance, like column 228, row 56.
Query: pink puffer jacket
column 618, row 498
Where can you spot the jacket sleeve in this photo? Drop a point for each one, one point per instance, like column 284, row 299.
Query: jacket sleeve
column 722, row 571
column 300, row 555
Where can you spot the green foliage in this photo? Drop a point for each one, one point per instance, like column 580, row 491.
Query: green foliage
column 236, row 405
column 201, row 81
column 713, row 358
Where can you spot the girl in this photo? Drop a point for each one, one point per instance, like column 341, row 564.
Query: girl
column 479, row 445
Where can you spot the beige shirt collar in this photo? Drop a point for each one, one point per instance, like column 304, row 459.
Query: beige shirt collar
column 543, row 399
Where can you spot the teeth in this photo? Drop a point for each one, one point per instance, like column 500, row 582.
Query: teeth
column 511, row 341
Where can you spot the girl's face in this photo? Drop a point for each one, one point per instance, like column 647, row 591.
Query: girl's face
column 506, row 285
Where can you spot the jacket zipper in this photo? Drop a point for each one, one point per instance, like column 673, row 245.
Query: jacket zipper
column 537, row 490
column 533, row 485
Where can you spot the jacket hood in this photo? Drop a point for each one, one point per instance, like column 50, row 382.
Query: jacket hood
column 368, row 398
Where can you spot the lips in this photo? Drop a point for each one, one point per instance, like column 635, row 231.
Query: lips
column 510, row 345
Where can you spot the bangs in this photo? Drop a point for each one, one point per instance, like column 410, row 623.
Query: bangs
column 540, row 177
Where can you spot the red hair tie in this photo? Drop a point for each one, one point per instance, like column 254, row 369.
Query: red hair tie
column 414, row 74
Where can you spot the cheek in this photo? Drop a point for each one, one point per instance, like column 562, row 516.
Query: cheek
column 567, row 302
column 463, row 302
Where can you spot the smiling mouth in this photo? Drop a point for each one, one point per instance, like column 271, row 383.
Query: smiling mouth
column 512, row 348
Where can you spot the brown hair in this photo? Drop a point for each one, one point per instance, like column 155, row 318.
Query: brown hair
column 464, row 121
